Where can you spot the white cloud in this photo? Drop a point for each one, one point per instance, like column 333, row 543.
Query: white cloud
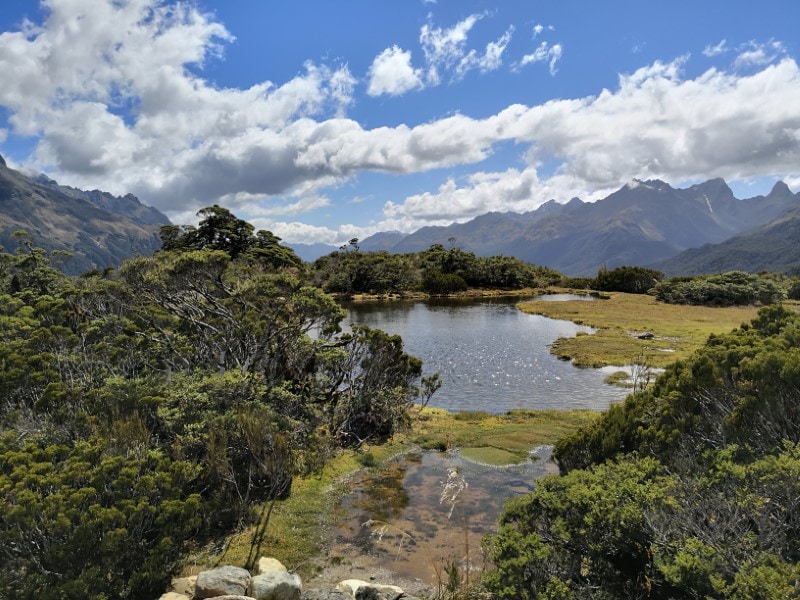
column 491, row 59
column 655, row 125
column 545, row 52
column 391, row 73
column 445, row 52
column 716, row 50
column 755, row 54
column 444, row 48
column 187, row 143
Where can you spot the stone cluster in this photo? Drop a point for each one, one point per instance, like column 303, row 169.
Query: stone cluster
column 272, row 582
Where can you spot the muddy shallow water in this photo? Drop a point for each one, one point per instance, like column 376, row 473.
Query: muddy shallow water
column 424, row 511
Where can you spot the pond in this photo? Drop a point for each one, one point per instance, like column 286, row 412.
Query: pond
column 422, row 512
column 490, row 355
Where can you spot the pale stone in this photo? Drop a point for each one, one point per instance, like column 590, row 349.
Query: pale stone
column 268, row 565
column 363, row 590
column 275, row 585
column 184, row 585
column 174, row 596
column 222, row 581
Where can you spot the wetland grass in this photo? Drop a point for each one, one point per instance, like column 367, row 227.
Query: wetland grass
column 678, row 330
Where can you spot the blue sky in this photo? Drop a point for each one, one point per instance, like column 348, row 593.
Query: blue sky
column 323, row 121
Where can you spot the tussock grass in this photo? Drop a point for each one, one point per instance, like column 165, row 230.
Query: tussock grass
column 678, row 330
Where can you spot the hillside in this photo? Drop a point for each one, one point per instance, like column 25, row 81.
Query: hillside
column 772, row 247
column 99, row 230
column 642, row 223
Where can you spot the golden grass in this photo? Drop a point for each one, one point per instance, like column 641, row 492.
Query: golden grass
column 678, row 329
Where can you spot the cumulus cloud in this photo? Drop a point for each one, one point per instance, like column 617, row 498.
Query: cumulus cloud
column 655, row 125
column 125, row 108
column 444, row 51
column 391, row 73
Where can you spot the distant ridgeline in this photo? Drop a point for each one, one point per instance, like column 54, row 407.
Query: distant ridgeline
column 97, row 229
column 643, row 223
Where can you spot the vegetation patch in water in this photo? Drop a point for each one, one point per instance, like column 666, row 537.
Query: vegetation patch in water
column 489, row 455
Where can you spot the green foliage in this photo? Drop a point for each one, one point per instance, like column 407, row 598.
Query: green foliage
column 631, row 280
column 145, row 411
column 728, row 289
column 437, row 283
column 437, row 270
column 690, row 489
column 220, row 230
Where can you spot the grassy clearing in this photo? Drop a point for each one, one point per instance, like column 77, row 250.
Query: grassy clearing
column 299, row 525
column 678, row 330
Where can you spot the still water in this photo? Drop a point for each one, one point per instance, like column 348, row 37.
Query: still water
column 408, row 520
column 490, row 355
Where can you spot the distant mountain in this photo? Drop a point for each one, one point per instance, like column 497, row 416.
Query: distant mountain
column 772, row 247
column 311, row 252
column 99, row 229
column 642, row 223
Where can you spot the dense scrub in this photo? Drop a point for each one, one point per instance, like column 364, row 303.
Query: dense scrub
column 726, row 289
column 437, row 270
column 690, row 489
column 148, row 410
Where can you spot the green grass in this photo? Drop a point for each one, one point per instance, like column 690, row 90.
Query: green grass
column 678, row 330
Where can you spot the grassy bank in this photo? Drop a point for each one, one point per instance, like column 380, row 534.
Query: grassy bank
column 299, row 526
column 678, row 330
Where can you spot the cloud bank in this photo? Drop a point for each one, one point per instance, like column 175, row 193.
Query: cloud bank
column 126, row 108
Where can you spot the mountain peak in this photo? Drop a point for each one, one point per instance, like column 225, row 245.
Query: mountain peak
column 2, row 160
column 779, row 189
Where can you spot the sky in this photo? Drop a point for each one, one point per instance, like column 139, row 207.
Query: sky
column 322, row 121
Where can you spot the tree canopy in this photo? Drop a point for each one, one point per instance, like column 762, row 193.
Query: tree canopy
column 145, row 410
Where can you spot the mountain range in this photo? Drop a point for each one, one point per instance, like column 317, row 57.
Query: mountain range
column 700, row 229
column 99, row 229
column 643, row 223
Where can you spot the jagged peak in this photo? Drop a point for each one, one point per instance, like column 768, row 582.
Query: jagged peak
column 651, row 184
column 2, row 161
column 780, row 189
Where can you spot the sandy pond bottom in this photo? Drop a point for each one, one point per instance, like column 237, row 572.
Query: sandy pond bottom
column 404, row 522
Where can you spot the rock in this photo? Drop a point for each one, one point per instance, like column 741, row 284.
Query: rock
column 275, row 585
column 324, row 595
column 232, row 597
column 184, row 585
column 646, row 336
column 267, row 565
column 222, row 581
column 364, row 590
column 174, row 596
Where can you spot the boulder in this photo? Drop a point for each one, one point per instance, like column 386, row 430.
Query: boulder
column 184, row 585
column 275, row 585
column 268, row 565
column 231, row 597
column 174, row 596
column 363, row 590
column 222, row 581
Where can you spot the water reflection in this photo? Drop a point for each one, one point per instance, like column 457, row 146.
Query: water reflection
column 490, row 355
